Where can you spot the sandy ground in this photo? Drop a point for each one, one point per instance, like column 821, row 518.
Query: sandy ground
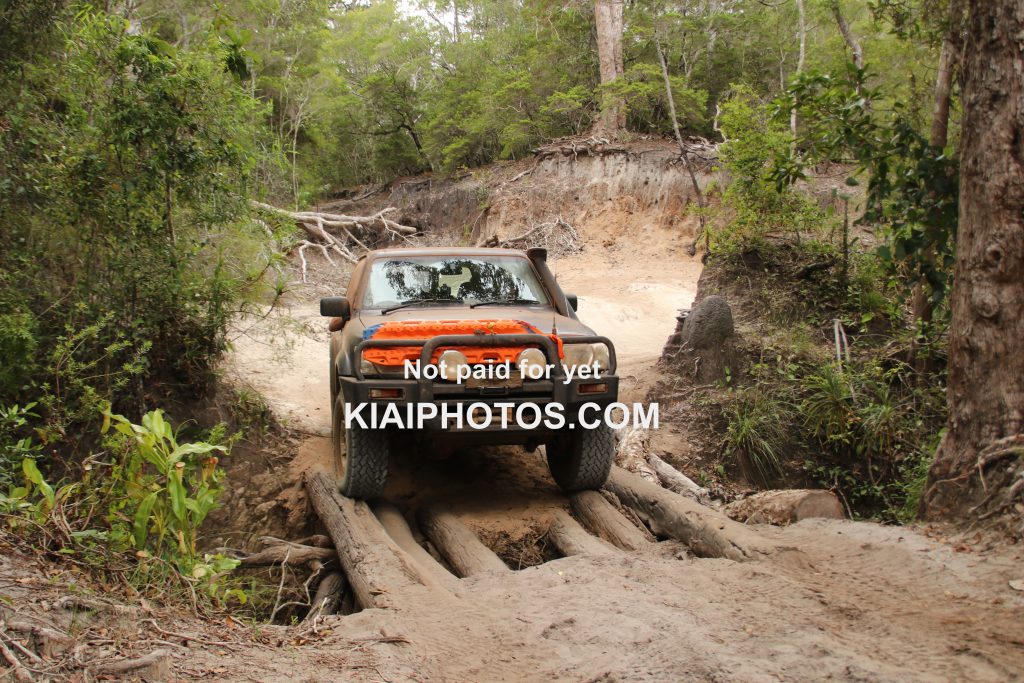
column 849, row 601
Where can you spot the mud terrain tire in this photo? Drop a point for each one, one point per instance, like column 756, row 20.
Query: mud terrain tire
column 582, row 459
column 360, row 456
column 335, row 349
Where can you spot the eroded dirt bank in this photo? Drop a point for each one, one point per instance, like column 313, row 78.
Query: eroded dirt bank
column 843, row 600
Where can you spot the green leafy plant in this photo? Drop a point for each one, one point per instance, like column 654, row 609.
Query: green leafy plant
column 168, row 500
column 15, row 445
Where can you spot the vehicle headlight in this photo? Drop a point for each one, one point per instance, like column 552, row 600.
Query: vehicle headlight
column 531, row 358
column 449, row 363
column 586, row 354
column 578, row 354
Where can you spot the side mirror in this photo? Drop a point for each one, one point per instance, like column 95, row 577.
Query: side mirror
column 335, row 307
column 573, row 301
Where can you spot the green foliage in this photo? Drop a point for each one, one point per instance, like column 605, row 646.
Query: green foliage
column 145, row 499
column 857, row 428
column 16, row 446
column 755, row 433
column 754, row 208
column 168, row 501
column 912, row 186
column 124, row 172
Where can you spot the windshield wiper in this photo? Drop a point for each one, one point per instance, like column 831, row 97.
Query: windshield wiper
column 505, row 302
column 416, row 302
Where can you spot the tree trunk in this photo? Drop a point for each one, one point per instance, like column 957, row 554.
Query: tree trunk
column 376, row 569
column 851, row 40
column 986, row 366
column 571, row 539
column 802, row 33
column 682, row 145
column 608, row 24
column 707, row 532
column 460, row 546
column 329, row 595
column 601, row 517
column 922, row 307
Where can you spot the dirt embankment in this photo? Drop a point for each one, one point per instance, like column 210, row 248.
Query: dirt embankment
column 843, row 601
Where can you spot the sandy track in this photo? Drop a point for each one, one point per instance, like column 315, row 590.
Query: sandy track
column 850, row 601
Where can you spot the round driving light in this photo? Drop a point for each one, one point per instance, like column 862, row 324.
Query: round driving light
column 578, row 354
column 449, row 363
column 601, row 356
column 367, row 367
column 528, row 360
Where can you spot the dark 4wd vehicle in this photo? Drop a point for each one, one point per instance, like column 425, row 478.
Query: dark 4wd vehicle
column 419, row 343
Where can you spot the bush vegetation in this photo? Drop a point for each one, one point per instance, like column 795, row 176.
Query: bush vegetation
column 830, row 395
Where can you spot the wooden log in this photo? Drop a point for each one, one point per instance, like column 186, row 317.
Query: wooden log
column 48, row 640
column 375, row 567
column 676, row 481
column 785, row 507
column 156, row 666
column 707, row 532
column 601, row 518
column 293, row 553
column 464, row 551
column 571, row 539
column 328, row 595
column 394, row 522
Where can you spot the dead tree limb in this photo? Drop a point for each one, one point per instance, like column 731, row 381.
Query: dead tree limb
column 21, row 674
column 296, row 555
column 572, row 539
column 707, row 532
column 315, row 225
column 676, row 481
column 464, row 551
column 601, row 517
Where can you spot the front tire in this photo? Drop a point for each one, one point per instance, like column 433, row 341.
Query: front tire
column 360, row 456
column 582, row 459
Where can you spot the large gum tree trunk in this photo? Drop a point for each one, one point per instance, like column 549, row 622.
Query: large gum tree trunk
column 980, row 458
column 608, row 23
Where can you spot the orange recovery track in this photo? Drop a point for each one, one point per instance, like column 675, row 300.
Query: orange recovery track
column 428, row 329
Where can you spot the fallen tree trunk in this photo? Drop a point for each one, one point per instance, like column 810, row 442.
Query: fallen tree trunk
column 676, row 481
column 464, row 551
column 707, row 532
column 394, row 523
column 785, row 507
column 571, row 539
column 601, row 517
column 375, row 567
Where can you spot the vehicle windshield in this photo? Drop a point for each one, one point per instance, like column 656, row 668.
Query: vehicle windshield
column 459, row 279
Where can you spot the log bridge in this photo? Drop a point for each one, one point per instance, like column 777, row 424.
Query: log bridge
column 384, row 566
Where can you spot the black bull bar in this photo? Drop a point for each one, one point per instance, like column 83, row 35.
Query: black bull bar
column 544, row 342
